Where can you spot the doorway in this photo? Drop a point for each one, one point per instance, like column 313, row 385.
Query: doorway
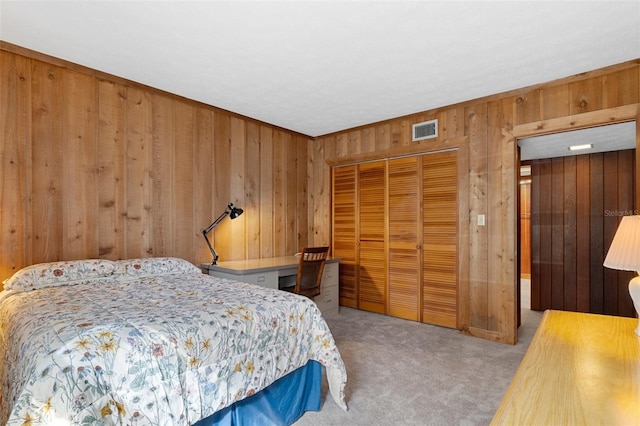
column 576, row 202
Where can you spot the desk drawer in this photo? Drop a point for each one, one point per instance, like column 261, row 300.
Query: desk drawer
column 330, row 274
column 327, row 295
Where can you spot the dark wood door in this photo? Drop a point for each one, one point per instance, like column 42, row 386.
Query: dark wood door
column 576, row 205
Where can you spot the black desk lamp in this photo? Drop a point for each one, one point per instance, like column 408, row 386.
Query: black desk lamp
column 230, row 211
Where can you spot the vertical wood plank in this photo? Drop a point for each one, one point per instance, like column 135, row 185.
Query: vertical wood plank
column 528, row 107
column 289, row 168
column 570, row 235
column 253, row 170
column 163, row 178
column 203, row 177
column 501, row 221
column 464, row 211
column 279, row 195
column 323, row 235
column 626, row 190
column 585, row 95
column 15, row 163
column 353, row 142
column 220, row 237
column 111, row 179
column 557, row 233
column 452, row 123
column 597, row 208
column 47, row 150
column 341, row 145
column 139, row 182
column 184, row 232
column 621, row 88
column 368, row 142
column 317, row 189
column 267, row 207
column 555, row 102
column 301, row 191
column 478, row 204
column 610, row 222
column 583, row 240
column 383, row 137
column 508, row 311
column 546, row 231
column 237, row 242
column 79, row 167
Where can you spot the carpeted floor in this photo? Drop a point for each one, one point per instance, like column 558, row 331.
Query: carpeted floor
column 407, row 373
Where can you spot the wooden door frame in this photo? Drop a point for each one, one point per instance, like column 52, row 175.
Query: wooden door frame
column 586, row 120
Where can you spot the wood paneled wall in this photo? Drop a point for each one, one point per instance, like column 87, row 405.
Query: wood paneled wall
column 485, row 131
column 577, row 203
column 96, row 166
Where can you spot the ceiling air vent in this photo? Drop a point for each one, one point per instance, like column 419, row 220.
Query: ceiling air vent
column 425, row 130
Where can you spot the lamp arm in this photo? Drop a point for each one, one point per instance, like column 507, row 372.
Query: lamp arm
column 214, row 253
column 230, row 210
column 214, row 223
column 208, row 229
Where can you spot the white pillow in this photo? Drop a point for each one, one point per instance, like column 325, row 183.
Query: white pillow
column 149, row 266
column 52, row 274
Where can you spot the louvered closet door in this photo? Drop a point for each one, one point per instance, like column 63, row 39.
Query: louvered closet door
column 440, row 239
column 404, row 230
column 372, row 272
column 344, row 232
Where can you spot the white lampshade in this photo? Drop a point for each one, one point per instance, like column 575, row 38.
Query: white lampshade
column 624, row 253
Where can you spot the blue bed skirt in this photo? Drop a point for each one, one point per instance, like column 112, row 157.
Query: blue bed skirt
column 281, row 403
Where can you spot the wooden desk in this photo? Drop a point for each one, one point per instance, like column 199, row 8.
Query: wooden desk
column 279, row 272
column 580, row 369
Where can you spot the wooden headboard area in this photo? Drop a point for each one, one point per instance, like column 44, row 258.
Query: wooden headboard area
column 97, row 166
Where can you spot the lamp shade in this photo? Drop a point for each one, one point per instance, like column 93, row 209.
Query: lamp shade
column 624, row 253
column 234, row 211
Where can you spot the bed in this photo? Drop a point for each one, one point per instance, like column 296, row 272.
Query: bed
column 154, row 341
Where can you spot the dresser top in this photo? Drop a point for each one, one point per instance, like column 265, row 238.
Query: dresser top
column 579, row 369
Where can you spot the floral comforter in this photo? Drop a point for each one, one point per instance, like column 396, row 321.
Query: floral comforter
column 147, row 341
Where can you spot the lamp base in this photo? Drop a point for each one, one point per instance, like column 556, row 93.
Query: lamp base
column 634, row 292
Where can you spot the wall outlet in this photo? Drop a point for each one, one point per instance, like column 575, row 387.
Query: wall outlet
column 480, row 220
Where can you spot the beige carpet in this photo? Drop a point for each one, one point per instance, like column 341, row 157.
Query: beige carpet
column 407, row 373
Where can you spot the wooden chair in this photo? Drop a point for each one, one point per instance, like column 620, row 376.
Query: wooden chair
column 310, row 268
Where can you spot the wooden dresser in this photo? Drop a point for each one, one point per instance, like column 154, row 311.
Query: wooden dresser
column 580, row 369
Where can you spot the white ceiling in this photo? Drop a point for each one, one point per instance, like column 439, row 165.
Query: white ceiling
column 613, row 137
column 317, row 67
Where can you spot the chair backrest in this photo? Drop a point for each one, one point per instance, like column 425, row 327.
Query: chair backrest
column 310, row 268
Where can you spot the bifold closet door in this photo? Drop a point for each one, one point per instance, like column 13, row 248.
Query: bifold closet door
column 372, row 272
column 345, row 225
column 440, row 239
column 404, row 232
